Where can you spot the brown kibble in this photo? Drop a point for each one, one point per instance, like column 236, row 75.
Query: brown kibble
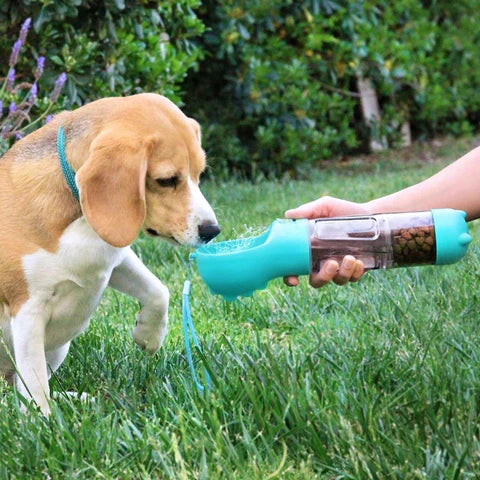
column 410, row 245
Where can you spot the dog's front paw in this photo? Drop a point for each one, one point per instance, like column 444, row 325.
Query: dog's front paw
column 148, row 338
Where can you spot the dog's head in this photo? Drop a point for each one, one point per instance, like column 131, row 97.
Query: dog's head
column 142, row 171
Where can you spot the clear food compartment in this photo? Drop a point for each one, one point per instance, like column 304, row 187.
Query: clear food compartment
column 379, row 241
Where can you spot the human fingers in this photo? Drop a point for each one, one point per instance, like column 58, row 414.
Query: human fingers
column 358, row 272
column 350, row 270
column 346, row 270
column 307, row 210
column 290, row 281
column 327, row 272
column 326, row 207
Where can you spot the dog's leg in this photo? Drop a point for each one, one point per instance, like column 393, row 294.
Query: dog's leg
column 56, row 357
column 28, row 335
column 133, row 278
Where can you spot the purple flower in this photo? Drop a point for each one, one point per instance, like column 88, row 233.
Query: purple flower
column 33, row 93
column 10, row 79
column 19, row 135
column 24, row 30
column 18, row 44
column 39, row 69
column 48, row 119
column 12, row 108
column 59, row 83
column 15, row 51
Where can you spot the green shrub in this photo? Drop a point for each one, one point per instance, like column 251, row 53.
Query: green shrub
column 277, row 111
column 278, row 86
column 110, row 47
column 274, row 83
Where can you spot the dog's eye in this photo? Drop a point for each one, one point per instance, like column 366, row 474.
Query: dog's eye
column 171, row 182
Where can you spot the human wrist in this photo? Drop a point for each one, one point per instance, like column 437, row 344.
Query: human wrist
column 370, row 207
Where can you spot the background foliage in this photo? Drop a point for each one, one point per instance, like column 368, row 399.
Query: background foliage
column 274, row 83
column 22, row 107
column 280, row 77
column 109, row 47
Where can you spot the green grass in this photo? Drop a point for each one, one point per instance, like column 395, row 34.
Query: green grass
column 374, row 380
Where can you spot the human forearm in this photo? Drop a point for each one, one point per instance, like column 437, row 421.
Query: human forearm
column 456, row 186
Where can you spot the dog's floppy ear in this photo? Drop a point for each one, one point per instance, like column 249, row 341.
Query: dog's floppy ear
column 196, row 128
column 112, row 187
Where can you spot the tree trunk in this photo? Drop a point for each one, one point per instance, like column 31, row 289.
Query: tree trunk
column 371, row 113
column 406, row 134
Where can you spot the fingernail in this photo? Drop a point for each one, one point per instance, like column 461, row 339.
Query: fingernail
column 331, row 268
column 348, row 262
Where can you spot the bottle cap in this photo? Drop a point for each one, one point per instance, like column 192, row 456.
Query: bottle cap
column 451, row 235
column 239, row 267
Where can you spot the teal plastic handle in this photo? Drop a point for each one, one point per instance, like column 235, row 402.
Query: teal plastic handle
column 451, row 235
column 239, row 267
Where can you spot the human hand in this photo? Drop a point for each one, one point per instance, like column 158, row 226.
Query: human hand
column 350, row 269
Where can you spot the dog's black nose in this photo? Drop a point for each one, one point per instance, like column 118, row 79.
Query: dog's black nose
column 208, row 231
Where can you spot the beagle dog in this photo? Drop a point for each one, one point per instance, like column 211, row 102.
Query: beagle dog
column 138, row 161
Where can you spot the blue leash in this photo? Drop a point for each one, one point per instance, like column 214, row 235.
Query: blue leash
column 67, row 170
column 189, row 331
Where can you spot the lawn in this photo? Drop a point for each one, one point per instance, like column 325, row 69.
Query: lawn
column 374, row 380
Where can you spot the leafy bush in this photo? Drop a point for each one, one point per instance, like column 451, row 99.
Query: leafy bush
column 274, row 83
column 278, row 86
column 278, row 113
column 22, row 105
column 111, row 47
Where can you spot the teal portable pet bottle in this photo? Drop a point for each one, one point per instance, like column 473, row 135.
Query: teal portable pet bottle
column 298, row 247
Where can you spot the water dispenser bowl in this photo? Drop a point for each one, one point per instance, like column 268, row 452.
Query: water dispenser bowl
column 238, row 267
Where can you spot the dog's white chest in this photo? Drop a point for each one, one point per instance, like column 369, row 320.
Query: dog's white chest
column 69, row 283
